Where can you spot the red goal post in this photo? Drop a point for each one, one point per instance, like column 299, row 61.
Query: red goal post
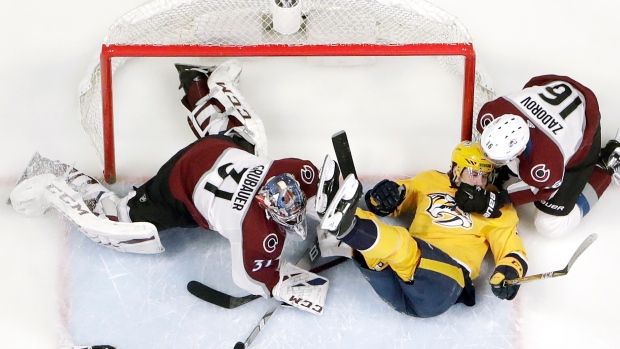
column 440, row 34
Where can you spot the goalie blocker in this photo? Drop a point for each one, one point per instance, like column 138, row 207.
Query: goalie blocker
column 301, row 289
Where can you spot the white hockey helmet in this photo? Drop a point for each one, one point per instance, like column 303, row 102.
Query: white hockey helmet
column 285, row 202
column 504, row 138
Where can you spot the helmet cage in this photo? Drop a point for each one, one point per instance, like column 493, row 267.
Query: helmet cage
column 285, row 202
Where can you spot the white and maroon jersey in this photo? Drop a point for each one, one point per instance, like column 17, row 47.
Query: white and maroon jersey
column 563, row 116
column 217, row 182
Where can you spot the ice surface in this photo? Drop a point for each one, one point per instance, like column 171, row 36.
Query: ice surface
column 141, row 302
column 58, row 287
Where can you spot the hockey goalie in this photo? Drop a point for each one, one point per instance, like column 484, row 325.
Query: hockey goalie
column 221, row 182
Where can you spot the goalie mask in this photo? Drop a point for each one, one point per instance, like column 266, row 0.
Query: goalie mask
column 467, row 156
column 285, row 202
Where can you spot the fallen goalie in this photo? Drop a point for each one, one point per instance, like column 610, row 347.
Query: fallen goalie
column 221, row 182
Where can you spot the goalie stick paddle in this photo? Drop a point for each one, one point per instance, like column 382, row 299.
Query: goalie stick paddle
column 584, row 245
column 340, row 141
column 216, row 297
column 227, row 301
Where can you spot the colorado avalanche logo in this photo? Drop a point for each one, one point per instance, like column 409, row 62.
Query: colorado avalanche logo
column 540, row 173
column 270, row 243
column 486, row 119
column 307, row 174
column 443, row 209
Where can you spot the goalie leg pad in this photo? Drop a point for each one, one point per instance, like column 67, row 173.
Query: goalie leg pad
column 206, row 118
column 28, row 196
column 222, row 84
column 301, row 289
column 139, row 237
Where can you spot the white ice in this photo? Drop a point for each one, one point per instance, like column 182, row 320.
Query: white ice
column 402, row 116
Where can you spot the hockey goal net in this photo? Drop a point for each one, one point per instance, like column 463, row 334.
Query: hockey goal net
column 227, row 28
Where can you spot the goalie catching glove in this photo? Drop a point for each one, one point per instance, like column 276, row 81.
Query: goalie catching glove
column 471, row 198
column 301, row 289
column 510, row 267
column 385, row 197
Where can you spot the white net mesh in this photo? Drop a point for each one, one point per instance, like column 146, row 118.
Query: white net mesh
column 250, row 22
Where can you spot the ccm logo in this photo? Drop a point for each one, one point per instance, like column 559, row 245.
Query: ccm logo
column 306, row 304
column 66, row 198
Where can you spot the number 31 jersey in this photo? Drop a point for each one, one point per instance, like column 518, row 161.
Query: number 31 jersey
column 217, row 181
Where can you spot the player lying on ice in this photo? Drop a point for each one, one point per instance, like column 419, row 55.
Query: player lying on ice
column 548, row 136
column 423, row 271
column 216, row 183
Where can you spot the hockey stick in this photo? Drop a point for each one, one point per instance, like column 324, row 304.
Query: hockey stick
column 258, row 328
column 584, row 245
column 342, row 149
column 216, row 297
column 227, row 301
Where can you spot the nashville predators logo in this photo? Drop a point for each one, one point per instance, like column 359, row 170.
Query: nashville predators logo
column 444, row 211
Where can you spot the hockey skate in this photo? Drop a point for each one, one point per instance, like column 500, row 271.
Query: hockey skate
column 328, row 185
column 609, row 159
column 190, row 74
column 340, row 215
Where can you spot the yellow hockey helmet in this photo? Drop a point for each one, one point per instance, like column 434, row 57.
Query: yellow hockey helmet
column 468, row 155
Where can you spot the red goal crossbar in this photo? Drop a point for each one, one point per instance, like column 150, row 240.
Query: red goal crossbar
column 110, row 51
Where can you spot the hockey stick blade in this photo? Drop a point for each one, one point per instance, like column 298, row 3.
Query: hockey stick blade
column 584, row 245
column 216, row 297
column 227, row 301
column 342, row 149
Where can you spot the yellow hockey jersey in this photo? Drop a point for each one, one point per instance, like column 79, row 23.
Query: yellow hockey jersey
column 465, row 237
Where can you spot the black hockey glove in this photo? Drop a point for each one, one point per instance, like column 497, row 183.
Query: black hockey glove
column 385, row 197
column 502, row 175
column 470, row 198
column 509, row 268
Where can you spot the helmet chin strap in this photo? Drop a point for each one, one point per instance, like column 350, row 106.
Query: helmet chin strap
column 298, row 229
